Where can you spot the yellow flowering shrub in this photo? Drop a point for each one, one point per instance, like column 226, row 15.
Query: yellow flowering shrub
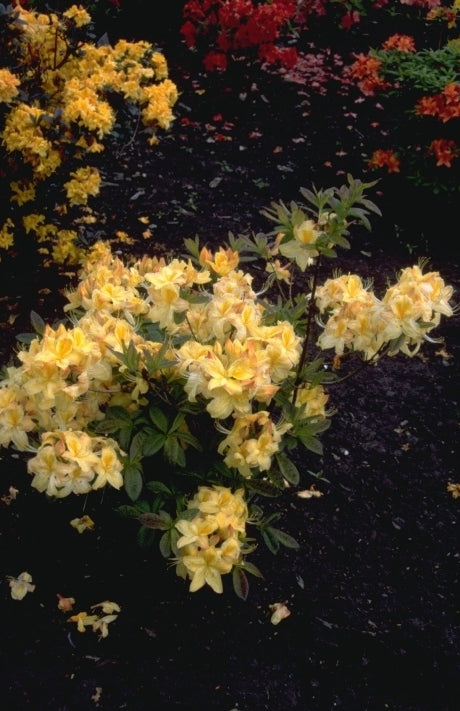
column 190, row 368
column 60, row 97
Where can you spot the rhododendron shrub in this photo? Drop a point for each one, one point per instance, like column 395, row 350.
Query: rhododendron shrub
column 61, row 99
column 190, row 384
column 272, row 33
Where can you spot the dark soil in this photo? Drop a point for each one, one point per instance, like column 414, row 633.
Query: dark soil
column 373, row 589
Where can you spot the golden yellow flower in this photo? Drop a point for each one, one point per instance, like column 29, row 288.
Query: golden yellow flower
column 78, row 15
column 9, row 84
column 6, row 236
column 85, row 523
column 83, row 620
column 22, row 192
column 221, row 262
column 83, row 183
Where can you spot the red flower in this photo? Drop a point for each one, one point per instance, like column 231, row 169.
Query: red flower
column 215, row 61
column 350, row 18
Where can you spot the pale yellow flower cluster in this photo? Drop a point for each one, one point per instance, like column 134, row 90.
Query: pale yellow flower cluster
column 73, row 462
column 359, row 321
column 312, row 401
column 233, row 360
column 67, row 376
column 227, row 358
column 252, row 442
column 210, row 544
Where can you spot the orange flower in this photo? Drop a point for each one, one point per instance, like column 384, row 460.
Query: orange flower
column 366, row 70
column 445, row 105
column 427, row 106
column 385, row 159
column 403, row 43
column 444, row 151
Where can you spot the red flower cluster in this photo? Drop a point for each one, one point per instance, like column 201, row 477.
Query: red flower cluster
column 233, row 26
column 445, row 105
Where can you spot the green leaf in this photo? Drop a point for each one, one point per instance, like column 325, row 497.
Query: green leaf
column 284, row 538
column 133, row 481
column 159, row 419
column 174, row 452
column 133, row 511
column 165, row 544
column 158, row 487
column 160, row 521
column 240, row 583
column 37, row 322
column 145, row 537
column 136, row 447
column 251, row 568
column 288, row 469
column 264, row 488
column 270, row 540
column 312, row 443
column 153, row 443
column 188, row 514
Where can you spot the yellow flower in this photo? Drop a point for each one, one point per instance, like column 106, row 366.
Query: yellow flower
column 195, row 531
column 107, row 606
column 22, row 192
column 204, row 568
column 83, row 524
column 281, row 272
column 279, row 612
column 101, row 625
column 222, row 262
column 306, row 233
column 312, row 400
column 454, row 489
column 84, row 182
column 21, row 585
column 108, row 468
column 14, row 425
column 6, row 235
column 78, row 15
column 83, row 620
column 252, row 442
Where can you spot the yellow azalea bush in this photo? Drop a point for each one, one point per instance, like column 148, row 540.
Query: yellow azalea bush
column 62, row 97
column 196, row 369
